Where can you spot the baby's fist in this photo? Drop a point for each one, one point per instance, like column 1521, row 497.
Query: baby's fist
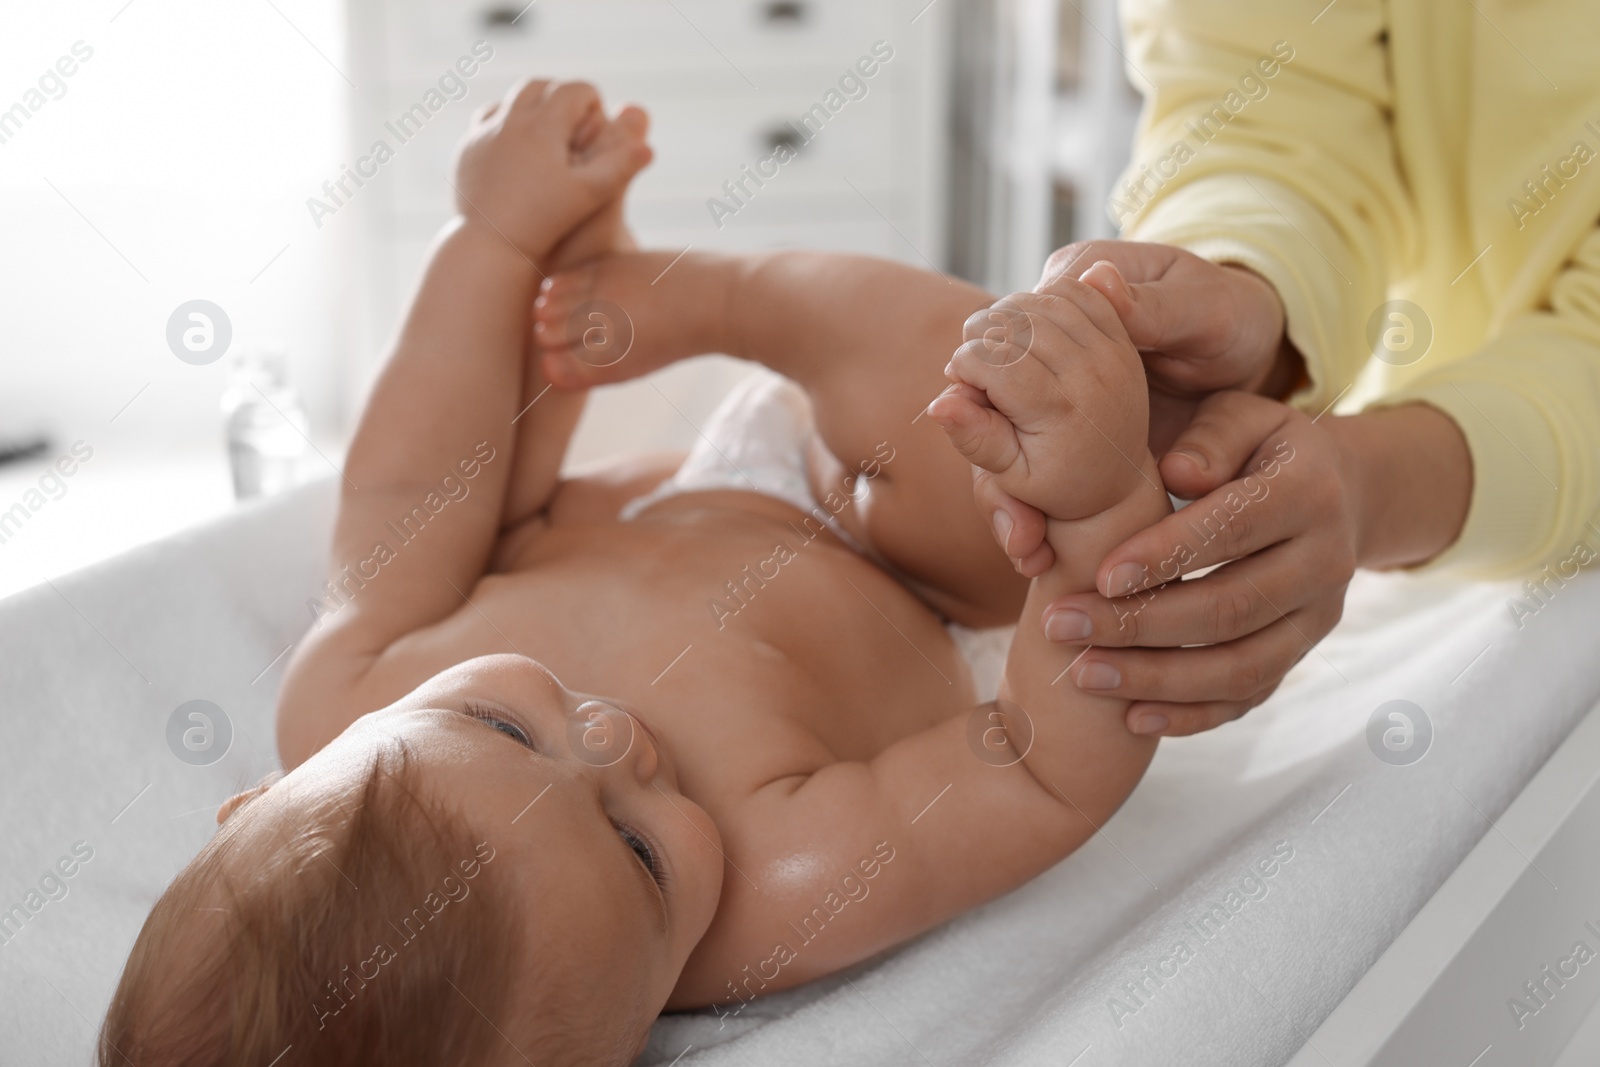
column 1049, row 398
column 535, row 164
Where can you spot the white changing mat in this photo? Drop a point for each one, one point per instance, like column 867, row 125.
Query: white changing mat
column 94, row 667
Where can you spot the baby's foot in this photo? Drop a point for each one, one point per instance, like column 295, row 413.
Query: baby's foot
column 621, row 316
column 1050, row 398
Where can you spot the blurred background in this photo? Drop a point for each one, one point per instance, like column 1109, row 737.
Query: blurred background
column 196, row 291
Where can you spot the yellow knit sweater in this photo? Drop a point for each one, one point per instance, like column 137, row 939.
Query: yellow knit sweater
column 1444, row 153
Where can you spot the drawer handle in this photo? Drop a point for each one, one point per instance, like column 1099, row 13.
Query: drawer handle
column 783, row 12
column 506, row 18
column 781, row 136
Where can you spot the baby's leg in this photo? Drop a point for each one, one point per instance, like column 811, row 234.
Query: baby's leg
column 868, row 340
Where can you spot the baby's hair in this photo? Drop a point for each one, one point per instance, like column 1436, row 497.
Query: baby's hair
column 313, row 943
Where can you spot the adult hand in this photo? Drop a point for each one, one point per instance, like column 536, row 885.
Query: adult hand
column 1274, row 502
column 1199, row 328
column 1198, row 325
column 1291, row 506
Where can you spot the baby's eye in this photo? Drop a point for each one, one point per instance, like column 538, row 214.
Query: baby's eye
column 642, row 849
column 504, row 725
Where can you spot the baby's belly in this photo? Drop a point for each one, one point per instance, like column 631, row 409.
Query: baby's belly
column 711, row 601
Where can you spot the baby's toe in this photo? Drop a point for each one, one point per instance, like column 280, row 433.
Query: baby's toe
column 581, row 338
column 560, row 295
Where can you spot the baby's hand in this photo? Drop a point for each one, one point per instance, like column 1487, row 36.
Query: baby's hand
column 535, row 165
column 1050, row 398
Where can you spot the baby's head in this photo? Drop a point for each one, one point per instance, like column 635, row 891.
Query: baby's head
column 450, row 881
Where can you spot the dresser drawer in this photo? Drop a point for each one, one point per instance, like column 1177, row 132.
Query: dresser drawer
column 699, row 143
column 775, row 32
column 736, row 39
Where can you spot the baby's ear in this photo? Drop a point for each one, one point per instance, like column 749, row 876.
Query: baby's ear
column 239, row 800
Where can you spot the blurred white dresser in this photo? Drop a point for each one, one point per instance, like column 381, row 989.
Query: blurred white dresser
column 725, row 82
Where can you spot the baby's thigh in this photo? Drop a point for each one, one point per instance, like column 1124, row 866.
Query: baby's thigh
column 909, row 502
column 868, row 339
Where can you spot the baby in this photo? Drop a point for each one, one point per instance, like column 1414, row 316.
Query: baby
column 472, row 856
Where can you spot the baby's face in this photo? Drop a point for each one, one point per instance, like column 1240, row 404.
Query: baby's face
column 619, row 872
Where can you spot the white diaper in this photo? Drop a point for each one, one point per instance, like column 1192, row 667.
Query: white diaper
column 756, row 441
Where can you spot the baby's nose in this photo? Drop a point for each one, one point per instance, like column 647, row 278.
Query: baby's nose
column 645, row 756
column 603, row 735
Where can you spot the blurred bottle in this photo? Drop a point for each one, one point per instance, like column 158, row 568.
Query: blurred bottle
column 265, row 423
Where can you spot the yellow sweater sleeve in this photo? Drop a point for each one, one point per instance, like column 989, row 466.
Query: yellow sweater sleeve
column 1265, row 141
column 1528, row 401
column 1375, row 149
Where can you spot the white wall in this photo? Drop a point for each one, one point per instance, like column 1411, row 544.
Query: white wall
column 189, row 141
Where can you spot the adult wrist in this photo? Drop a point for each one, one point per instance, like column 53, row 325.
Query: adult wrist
column 1409, row 475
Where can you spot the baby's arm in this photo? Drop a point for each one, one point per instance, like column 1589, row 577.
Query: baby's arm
column 435, row 444
column 980, row 804
column 1060, row 419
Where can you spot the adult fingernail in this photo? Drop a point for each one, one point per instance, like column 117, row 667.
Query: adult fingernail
column 1002, row 529
column 1194, row 457
column 1099, row 676
column 1124, row 578
column 1068, row 624
column 1152, row 723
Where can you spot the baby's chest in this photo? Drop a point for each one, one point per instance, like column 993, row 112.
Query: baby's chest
column 732, row 631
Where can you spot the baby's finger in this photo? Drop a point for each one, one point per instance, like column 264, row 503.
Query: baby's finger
column 1021, row 382
column 524, row 94
column 1034, row 318
column 634, row 119
column 980, row 433
column 1018, row 528
column 571, row 103
column 588, row 129
column 626, row 130
column 614, row 157
column 1090, row 301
